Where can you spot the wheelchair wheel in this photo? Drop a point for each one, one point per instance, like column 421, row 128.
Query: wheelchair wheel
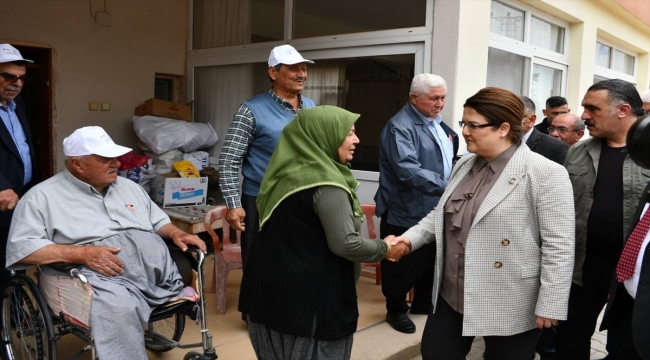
column 192, row 355
column 159, row 334
column 27, row 331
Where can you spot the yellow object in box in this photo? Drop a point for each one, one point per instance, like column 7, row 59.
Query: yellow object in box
column 186, row 169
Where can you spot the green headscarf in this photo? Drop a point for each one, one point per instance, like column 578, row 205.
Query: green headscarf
column 307, row 156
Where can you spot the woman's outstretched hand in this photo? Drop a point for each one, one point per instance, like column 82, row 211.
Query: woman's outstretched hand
column 400, row 246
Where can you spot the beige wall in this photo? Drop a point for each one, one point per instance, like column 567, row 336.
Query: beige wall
column 113, row 64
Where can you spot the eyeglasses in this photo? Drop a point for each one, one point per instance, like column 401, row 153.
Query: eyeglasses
column 561, row 129
column 11, row 78
column 473, row 126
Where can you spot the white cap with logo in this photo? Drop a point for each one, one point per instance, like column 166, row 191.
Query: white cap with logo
column 287, row 55
column 645, row 96
column 9, row 53
column 92, row 140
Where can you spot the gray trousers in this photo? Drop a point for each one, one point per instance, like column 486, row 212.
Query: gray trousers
column 121, row 305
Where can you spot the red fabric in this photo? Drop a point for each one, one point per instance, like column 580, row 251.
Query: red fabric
column 625, row 267
column 132, row 160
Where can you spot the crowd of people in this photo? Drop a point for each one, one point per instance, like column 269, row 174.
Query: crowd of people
column 523, row 239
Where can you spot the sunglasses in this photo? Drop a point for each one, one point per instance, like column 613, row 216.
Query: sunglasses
column 11, row 78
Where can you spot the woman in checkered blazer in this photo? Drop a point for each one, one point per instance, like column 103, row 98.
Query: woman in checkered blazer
column 504, row 233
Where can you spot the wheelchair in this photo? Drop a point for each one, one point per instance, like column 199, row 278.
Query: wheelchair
column 34, row 317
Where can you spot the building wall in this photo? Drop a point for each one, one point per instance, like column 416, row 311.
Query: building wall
column 461, row 36
column 115, row 64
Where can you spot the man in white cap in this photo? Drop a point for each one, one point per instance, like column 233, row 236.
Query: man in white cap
column 120, row 231
column 17, row 164
column 253, row 135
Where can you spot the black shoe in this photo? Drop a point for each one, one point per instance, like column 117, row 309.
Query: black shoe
column 400, row 322
column 609, row 357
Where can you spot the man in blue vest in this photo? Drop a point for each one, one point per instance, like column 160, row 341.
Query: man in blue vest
column 16, row 153
column 253, row 135
column 415, row 160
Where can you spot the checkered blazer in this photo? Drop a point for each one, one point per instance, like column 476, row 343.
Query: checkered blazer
column 507, row 286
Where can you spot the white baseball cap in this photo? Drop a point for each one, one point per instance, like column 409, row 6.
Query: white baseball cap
column 92, row 140
column 645, row 96
column 9, row 53
column 287, row 55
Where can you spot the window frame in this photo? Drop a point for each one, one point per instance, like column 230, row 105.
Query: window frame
column 610, row 73
column 529, row 12
column 382, row 42
column 535, row 54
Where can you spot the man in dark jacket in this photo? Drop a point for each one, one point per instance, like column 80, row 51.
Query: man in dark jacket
column 550, row 148
column 16, row 153
column 555, row 106
column 415, row 161
column 628, row 306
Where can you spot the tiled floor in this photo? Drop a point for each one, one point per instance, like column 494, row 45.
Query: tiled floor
column 230, row 336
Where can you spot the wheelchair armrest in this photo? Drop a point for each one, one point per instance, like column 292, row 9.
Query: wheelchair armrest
column 61, row 266
column 70, row 269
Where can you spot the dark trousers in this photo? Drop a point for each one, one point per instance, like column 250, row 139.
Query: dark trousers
column 443, row 339
column 252, row 226
column 414, row 270
column 573, row 336
column 621, row 328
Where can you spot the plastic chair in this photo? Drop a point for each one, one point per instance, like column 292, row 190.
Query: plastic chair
column 369, row 213
column 226, row 258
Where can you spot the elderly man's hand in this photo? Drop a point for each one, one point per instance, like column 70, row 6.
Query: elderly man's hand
column 8, row 199
column 235, row 217
column 102, row 259
column 183, row 239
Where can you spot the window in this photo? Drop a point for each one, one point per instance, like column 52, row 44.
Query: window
column 528, row 52
column 613, row 62
column 603, row 55
column 168, row 87
column 366, row 53
column 507, row 21
column 508, row 70
column 321, row 18
column 547, row 35
column 219, row 23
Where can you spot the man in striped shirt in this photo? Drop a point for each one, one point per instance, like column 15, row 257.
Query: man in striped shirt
column 253, row 135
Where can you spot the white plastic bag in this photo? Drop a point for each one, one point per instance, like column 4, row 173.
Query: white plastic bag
column 161, row 134
column 163, row 162
column 199, row 159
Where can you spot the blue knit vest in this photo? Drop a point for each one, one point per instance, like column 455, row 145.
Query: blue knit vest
column 270, row 119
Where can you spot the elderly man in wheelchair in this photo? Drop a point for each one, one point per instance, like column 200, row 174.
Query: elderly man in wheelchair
column 111, row 232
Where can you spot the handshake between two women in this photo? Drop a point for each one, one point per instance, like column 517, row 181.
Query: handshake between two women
column 398, row 246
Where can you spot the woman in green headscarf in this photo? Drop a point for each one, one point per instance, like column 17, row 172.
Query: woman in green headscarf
column 299, row 285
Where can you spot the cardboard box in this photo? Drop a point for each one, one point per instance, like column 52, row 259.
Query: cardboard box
column 172, row 190
column 166, row 109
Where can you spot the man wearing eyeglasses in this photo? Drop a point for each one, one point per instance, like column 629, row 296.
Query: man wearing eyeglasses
column 16, row 153
column 555, row 106
column 567, row 127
